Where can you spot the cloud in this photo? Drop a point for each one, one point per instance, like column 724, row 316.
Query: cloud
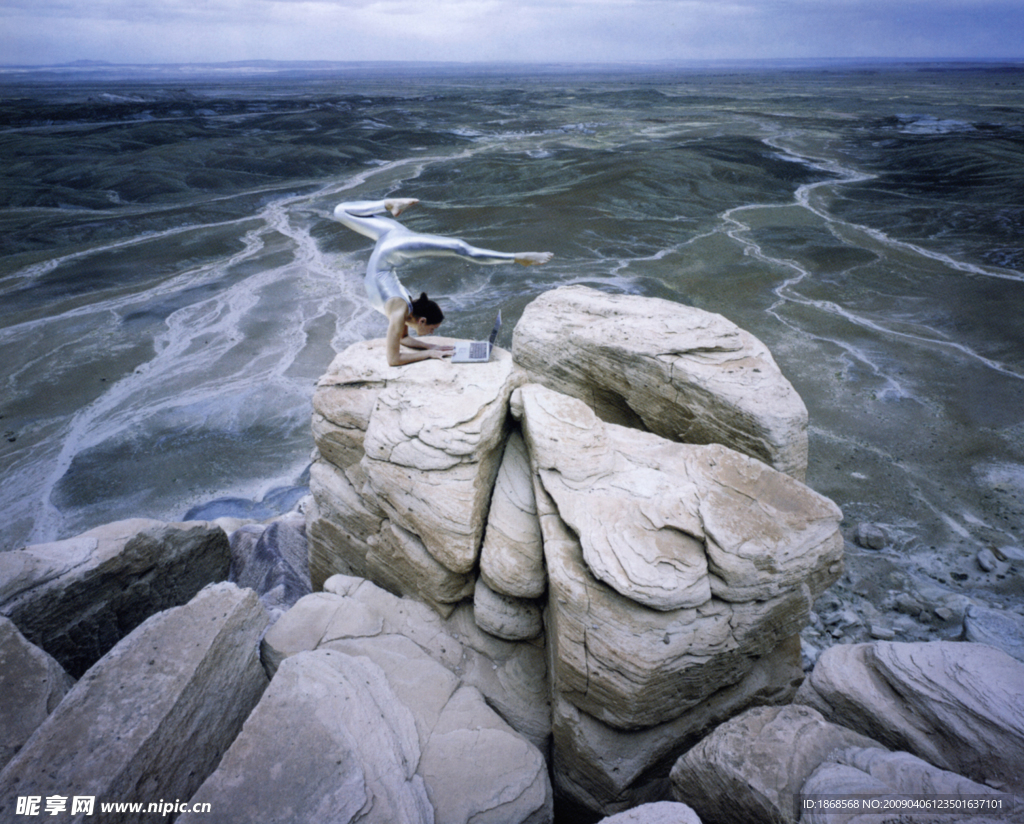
column 40, row 31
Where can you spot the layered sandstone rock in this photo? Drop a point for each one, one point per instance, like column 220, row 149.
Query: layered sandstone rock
column 78, row 597
column 672, row 567
column 152, row 718
column 958, row 706
column 680, row 372
column 409, row 458
column 666, row 581
column 752, row 768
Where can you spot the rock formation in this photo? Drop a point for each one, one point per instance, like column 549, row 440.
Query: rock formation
column 957, row 705
column 78, row 597
column 32, row 684
column 753, row 767
column 673, row 577
column 680, row 372
column 581, row 558
column 152, row 718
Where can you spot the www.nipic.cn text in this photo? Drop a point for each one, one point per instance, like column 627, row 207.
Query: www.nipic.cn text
column 87, row 805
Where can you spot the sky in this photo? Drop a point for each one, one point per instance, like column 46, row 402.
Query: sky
column 47, row 32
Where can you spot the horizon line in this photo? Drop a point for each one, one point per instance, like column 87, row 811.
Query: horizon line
column 666, row 62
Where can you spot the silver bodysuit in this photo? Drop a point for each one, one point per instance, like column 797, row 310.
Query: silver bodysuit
column 396, row 244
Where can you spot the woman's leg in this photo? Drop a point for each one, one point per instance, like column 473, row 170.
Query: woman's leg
column 364, row 217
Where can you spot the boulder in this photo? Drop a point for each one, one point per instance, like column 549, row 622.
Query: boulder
column 32, row 684
column 512, row 557
column 996, row 627
column 513, row 619
column 672, row 567
column 272, row 559
column 680, row 372
column 609, row 770
column 349, row 535
column 152, row 718
column 882, row 776
column 431, row 442
column 355, row 613
column 657, row 812
column 752, row 767
column 957, row 705
column 335, row 744
column 384, row 734
column 78, row 597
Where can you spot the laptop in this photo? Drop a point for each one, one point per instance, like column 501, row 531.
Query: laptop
column 477, row 351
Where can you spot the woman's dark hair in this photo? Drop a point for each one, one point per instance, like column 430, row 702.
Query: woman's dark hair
column 424, row 307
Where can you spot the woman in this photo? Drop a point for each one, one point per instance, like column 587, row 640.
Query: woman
column 396, row 244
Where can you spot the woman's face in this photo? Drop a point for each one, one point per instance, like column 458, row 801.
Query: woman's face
column 422, row 327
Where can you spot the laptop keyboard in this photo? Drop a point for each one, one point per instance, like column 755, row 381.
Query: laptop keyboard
column 478, row 349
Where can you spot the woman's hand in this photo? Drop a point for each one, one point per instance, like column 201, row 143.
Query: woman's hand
column 440, row 352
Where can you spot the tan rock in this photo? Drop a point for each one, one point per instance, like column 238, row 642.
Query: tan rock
column 430, row 446
column 680, row 372
column 349, row 536
column 512, row 557
column 608, row 770
column 513, row 619
column 617, row 658
column 665, row 524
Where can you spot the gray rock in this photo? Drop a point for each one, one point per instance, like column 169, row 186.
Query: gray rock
column 957, row 705
column 32, row 684
column 882, row 775
column 987, row 561
column 272, row 559
column 677, row 371
column 996, row 627
column 78, row 597
column 871, row 536
column 657, row 812
column 152, row 718
column 328, row 742
column 513, row 619
column 513, row 677
column 383, row 734
column 752, row 767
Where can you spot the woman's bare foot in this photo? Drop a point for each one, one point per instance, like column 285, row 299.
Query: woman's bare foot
column 533, row 258
column 398, row 205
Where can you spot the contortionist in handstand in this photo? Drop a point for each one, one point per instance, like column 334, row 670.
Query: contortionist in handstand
column 396, row 244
